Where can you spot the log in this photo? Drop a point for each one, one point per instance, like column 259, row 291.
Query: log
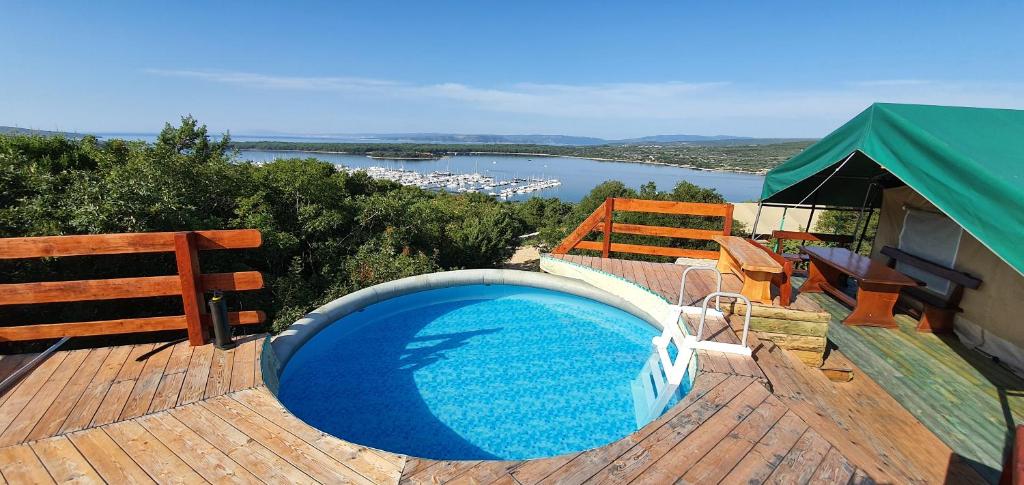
column 780, row 313
column 789, row 327
column 811, row 359
column 797, row 342
column 837, row 374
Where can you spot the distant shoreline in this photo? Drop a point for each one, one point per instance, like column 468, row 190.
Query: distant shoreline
column 526, row 154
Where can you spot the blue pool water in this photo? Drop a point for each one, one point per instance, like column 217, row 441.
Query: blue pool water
column 473, row 372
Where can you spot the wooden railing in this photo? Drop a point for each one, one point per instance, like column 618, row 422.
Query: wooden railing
column 189, row 283
column 602, row 219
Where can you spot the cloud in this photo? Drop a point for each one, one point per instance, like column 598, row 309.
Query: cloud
column 669, row 103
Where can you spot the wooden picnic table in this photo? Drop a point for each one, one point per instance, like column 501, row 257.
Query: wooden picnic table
column 877, row 290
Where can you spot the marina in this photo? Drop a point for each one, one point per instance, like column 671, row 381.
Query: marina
column 458, row 182
column 577, row 176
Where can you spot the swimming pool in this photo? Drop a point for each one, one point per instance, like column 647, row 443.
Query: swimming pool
column 473, row 371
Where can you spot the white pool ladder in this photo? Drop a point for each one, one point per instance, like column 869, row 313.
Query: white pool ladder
column 661, row 376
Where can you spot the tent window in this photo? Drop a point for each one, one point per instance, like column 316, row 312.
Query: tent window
column 930, row 236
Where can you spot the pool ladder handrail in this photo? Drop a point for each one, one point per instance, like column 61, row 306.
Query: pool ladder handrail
column 682, row 282
column 661, row 375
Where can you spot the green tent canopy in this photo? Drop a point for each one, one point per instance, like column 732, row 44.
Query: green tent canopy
column 968, row 162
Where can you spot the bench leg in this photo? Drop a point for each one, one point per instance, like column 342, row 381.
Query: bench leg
column 936, row 320
column 818, row 275
column 757, row 285
column 875, row 304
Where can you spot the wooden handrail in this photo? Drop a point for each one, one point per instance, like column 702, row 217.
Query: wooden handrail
column 127, row 243
column 604, row 214
column 189, row 283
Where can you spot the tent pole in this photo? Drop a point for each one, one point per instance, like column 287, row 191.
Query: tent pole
column 860, row 214
column 864, row 231
column 757, row 217
column 810, row 217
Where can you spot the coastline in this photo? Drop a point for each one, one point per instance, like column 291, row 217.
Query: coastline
column 524, row 154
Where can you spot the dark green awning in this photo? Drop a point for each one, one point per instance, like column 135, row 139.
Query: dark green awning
column 968, row 162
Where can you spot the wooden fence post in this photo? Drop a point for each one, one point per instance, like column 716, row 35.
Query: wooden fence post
column 609, row 206
column 727, row 225
column 186, row 254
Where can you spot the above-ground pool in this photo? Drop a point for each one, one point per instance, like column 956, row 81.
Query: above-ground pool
column 473, row 372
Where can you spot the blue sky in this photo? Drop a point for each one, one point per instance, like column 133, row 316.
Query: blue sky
column 596, row 68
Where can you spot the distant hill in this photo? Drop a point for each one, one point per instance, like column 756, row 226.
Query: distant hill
column 14, row 130
column 551, row 140
column 448, row 138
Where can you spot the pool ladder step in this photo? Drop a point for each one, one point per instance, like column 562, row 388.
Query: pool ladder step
column 661, row 376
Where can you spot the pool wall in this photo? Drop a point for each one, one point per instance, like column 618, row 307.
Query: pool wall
column 619, row 294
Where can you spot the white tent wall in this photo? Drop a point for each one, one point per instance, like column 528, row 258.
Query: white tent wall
column 993, row 316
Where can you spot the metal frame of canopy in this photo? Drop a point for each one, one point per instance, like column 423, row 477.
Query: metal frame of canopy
column 873, row 183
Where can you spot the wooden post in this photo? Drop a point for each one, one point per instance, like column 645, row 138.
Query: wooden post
column 727, row 225
column 186, row 254
column 609, row 206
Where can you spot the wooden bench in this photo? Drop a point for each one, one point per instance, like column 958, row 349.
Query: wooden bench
column 783, row 281
column 750, row 264
column 935, row 313
column 800, row 258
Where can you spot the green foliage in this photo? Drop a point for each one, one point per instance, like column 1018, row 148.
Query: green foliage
column 844, row 222
column 325, row 232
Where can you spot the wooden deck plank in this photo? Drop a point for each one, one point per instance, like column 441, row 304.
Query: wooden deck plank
column 27, row 389
column 375, row 465
column 120, row 390
column 82, row 413
column 769, row 451
column 219, row 380
column 22, row 425
column 485, row 473
column 713, row 467
column 258, row 369
column 181, row 354
column 52, row 421
column 833, row 469
column 194, row 385
column 440, row 472
column 203, row 457
column 9, row 364
column 248, row 453
column 632, row 463
column 150, row 454
column 677, row 460
column 147, row 383
column 314, row 462
column 799, row 464
column 243, row 370
column 107, row 458
column 167, row 392
column 64, row 463
column 19, row 464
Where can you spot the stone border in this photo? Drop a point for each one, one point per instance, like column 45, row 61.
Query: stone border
column 280, row 348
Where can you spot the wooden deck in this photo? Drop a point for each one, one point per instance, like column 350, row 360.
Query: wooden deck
column 165, row 413
column 860, row 418
column 966, row 399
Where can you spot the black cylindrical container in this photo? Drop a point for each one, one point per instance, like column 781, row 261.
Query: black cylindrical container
column 219, row 316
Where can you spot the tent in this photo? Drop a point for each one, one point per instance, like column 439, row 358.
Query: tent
column 967, row 162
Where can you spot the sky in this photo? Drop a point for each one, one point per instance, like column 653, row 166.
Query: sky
column 604, row 69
